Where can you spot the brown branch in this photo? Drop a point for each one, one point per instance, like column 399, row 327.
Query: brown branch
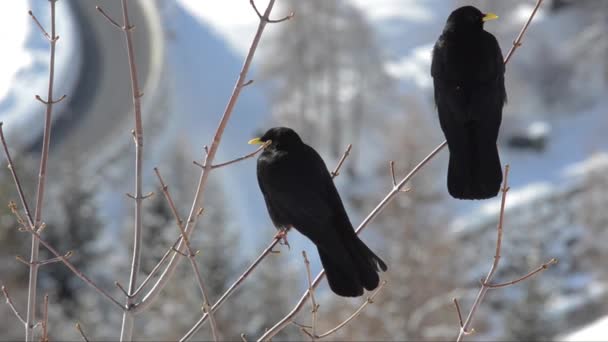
column 138, row 136
column 74, row 269
column 191, row 255
column 314, row 306
column 465, row 327
column 46, row 139
column 391, row 165
column 285, row 321
column 67, row 255
column 46, row 34
column 458, row 311
column 110, row 20
column 236, row 160
column 265, row 16
column 518, row 41
column 45, row 319
column 369, row 300
column 10, row 303
column 198, row 200
column 82, row 334
column 11, row 167
column 269, row 250
column 528, row 275
column 336, row 171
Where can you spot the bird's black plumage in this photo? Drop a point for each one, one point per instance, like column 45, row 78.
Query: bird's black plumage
column 300, row 193
column 468, row 76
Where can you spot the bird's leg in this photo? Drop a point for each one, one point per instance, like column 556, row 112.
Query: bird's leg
column 282, row 235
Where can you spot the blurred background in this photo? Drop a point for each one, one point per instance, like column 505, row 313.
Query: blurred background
column 340, row 72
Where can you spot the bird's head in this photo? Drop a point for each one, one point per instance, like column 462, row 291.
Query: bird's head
column 468, row 18
column 279, row 138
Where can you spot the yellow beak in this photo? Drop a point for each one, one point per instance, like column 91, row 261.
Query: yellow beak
column 255, row 141
column 489, row 16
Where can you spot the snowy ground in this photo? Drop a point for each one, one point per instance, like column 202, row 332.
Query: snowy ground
column 24, row 71
column 596, row 331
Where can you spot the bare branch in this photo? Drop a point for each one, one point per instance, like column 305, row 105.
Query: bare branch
column 73, row 268
column 157, row 267
column 67, row 255
column 10, row 303
column 265, row 18
column 110, row 20
column 11, row 167
column 370, row 300
column 122, row 289
column 464, row 328
column 191, row 254
column 46, row 140
column 39, row 25
column 485, row 284
column 458, row 311
column 45, row 319
column 392, row 167
column 212, row 151
column 231, row 289
column 236, row 160
column 247, row 83
column 518, row 41
column 336, row 171
column 82, row 334
column 530, row 274
column 313, row 302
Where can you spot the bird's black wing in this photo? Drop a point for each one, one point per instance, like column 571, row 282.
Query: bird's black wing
column 299, row 191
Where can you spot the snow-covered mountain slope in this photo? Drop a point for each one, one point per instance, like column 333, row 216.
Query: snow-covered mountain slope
column 25, row 63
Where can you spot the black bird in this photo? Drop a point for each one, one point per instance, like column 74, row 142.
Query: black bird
column 300, row 193
column 468, row 75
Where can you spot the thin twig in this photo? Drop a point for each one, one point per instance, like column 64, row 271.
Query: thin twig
column 81, row 331
column 313, row 302
column 46, row 34
column 33, row 274
column 520, row 279
column 464, row 328
column 486, row 283
column 369, row 300
column 11, row 167
column 392, row 167
column 67, row 255
column 74, row 269
column 45, row 319
column 458, row 311
column 519, row 40
column 336, row 171
column 198, row 200
column 265, row 16
column 236, row 160
column 112, row 21
column 191, row 256
column 126, row 333
column 10, row 303
column 268, row 250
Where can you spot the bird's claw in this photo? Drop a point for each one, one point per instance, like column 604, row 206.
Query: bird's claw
column 282, row 236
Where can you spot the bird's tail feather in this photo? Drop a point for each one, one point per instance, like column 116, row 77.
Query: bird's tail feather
column 474, row 170
column 354, row 270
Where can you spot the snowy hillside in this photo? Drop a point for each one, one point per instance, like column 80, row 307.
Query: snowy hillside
column 24, row 72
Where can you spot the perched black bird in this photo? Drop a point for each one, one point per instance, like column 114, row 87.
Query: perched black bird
column 468, row 75
column 300, row 193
